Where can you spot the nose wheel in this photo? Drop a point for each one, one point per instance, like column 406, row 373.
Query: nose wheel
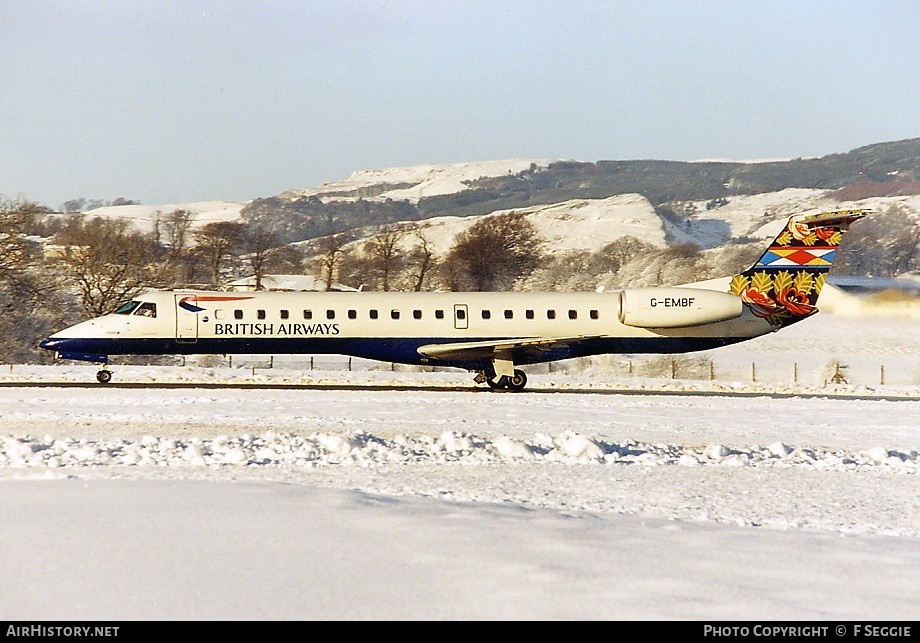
column 104, row 376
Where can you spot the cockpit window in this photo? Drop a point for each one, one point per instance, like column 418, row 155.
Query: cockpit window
column 146, row 309
column 127, row 307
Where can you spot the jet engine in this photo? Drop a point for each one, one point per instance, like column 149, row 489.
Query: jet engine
column 676, row 307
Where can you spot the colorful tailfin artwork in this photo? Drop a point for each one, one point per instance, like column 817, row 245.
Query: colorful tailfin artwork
column 784, row 284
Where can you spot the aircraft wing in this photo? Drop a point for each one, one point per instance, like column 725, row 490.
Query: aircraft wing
column 508, row 349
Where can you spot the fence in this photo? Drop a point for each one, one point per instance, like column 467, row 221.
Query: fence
column 882, row 371
column 887, row 371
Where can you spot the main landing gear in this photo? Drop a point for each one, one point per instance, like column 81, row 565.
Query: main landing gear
column 104, row 376
column 515, row 382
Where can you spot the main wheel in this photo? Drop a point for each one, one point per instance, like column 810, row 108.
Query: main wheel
column 104, row 376
column 517, row 381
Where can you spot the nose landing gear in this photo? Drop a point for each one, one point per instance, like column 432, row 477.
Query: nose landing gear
column 104, row 376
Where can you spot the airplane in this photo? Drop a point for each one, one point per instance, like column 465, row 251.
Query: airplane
column 489, row 333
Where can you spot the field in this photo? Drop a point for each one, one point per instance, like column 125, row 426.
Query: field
column 601, row 494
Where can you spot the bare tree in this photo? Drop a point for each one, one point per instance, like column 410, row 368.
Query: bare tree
column 564, row 271
column 109, row 262
column 266, row 253
column 21, row 256
column 492, row 253
column 622, row 251
column 174, row 231
column 216, row 242
column 331, row 252
column 385, row 254
column 355, row 268
column 380, row 261
column 17, row 252
column 177, row 226
column 74, row 205
column 420, row 258
column 258, row 246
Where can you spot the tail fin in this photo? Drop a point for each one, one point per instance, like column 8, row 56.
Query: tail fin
column 784, row 284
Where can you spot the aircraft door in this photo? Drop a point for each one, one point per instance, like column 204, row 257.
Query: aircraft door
column 461, row 317
column 186, row 323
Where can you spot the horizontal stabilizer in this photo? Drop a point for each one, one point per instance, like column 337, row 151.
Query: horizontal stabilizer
column 841, row 218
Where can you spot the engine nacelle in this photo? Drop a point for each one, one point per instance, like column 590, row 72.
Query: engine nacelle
column 676, row 307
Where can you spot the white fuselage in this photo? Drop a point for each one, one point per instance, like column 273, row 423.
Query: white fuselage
column 394, row 326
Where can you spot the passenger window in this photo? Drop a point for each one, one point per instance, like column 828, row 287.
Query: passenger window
column 486, row 314
column 551, row 314
column 219, row 313
column 308, row 314
column 352, row 314
column 146, row 310
column 509, row 314
column 394, row 314
column 237, row 314
column 528, row 314
column 260, row 314
column 573, row 314
column 595, row 314
column 373, row 314
column 330, row 314
column 284, row 314
column 417, row 314
column 461, row 314
column 439, row 314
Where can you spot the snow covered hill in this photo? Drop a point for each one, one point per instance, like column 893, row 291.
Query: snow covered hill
column 414, row 182
column 576, row 224
column 579, row 224
column 144, row 216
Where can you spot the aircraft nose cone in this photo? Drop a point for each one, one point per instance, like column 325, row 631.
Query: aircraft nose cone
column 51, row 344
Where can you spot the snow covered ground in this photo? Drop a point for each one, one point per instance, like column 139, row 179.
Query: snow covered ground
column 144, row 216
column 598, row 495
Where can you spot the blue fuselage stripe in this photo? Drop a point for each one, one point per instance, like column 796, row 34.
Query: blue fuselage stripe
column 399, row 350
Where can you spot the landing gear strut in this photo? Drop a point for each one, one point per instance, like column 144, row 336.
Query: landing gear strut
column 496, row 383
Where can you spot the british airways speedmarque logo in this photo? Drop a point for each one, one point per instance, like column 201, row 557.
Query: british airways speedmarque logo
column 189, row 303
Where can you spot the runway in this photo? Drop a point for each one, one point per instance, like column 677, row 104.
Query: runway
column 414, row 386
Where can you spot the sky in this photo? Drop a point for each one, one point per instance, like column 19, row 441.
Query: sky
column 169, row 102
column 422, row 496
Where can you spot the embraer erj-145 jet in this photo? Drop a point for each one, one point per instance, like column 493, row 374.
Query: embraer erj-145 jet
column 491, row 334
